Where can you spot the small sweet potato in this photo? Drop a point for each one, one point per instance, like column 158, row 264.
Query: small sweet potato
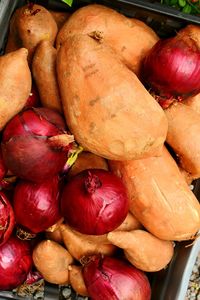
column 87, row 160
column 52, row 261
column 106, row 107
column 44, row 73
column 33, row 24
column 76, row 280
column 142, row 249
column 80, row 245
column 184, row 136
column 131, row 39
column 160, row 197
column 60, row 17
column 15, row 84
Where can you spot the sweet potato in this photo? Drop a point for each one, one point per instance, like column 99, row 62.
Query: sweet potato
column 60, row 17
column 188, row 178
column 184, row 136
column 87, row 160
column 52, row 261
column 53, row 233
column 13, row 42
column 192, row 31
column 33, row 24
column 44, row 73
column 80, row 245
column 131, row 39
column 194, row 103
column 130, row 223
column 143, row 250
column 76, row 280
column 106, row 107
column 15, row 84
column 160, row 197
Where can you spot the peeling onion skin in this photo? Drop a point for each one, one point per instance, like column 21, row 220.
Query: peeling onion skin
column 94, row 202
column 7, row 219
column 15, row 263
column 26, row 146
column 113, row 279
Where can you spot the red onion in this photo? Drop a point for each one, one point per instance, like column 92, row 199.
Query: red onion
column 7, row 220
column 113, row 279
column 33, row 276
column 94, row 202
column 172, row 68
column 15, row 263
column 2, row 167
column 35, row 144
column 33, row 99
column 36, row 205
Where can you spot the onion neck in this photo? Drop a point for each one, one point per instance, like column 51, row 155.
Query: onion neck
column 92, row 182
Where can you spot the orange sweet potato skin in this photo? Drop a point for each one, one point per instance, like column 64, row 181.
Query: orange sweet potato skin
column 15, row 84
column 60, row 17
column 184, row 136
column 160, row 197
column 192, row 31
column 87, row 160
column 130, row 38
column 32, row 25
column 106, row 107
column 194, row 103
column 44, row 73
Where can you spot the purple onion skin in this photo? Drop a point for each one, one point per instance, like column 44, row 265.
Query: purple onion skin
column 3, row 169
column 15, row 263
column 172, row 68
column 7, row 219
column 96, row 212
column 25, row 148
column 113, row 279
column 37, row 205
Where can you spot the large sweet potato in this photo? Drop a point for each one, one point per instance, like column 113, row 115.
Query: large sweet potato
column 15, row 84
column 160, row 197
column 130, row 38
column 44, row 73
column 184, row 136
column 32, row 24
column 106, row 107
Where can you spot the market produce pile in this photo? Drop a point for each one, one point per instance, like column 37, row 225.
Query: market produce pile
column 100, row 124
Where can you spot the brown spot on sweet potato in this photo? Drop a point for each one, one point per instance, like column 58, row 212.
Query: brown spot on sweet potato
column 94, row 101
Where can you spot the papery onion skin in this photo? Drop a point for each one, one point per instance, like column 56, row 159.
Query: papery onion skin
column 37, row 205
column 25, row 145
column 172, row 67
column 113, row 279
column 7, row 219
column 94, row 202
column 15, row 263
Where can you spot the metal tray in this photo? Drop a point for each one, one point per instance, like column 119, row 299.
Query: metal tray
column 171, row 283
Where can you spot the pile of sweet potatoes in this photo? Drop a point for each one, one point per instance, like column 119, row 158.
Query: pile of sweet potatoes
column 87, row 67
